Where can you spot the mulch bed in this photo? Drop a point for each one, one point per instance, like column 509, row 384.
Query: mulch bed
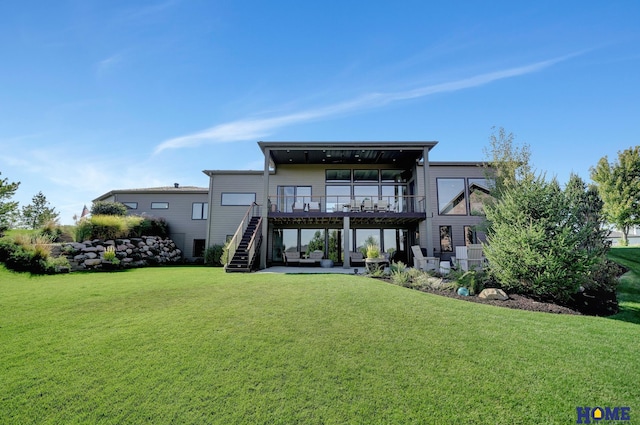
column 515, row 301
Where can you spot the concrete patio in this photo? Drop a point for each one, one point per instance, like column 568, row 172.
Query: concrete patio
column 312, row 270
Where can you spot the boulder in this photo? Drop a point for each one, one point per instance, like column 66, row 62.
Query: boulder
column 92, row 262
column 493, row 294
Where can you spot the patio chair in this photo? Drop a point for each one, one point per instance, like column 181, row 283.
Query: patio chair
column 291, row 258
column 354, row 206
column 462, row 258
column 382, row 205
column 313, row 206
column 356, row 258
column 424, row 263
column 475, row 258
column 367, row 205
column 298, row 207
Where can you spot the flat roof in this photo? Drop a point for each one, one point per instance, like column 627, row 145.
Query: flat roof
column 161, row 189
column 363, row 152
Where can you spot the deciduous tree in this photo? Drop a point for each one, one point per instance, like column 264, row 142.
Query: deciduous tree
column 618, row 184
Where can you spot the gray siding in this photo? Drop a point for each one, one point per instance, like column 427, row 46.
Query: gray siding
column 182, row 228
column 456, row 222
column 226, row 219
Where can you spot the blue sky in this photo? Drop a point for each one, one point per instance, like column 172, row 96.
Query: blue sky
column 102, row 95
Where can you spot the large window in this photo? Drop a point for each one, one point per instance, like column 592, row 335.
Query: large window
column 478, row 195
column 451, row 197
column 289, row 196
column 200, row 211
column 238, row 199
column 311, row 240
column 365, row 176
column 337, row 197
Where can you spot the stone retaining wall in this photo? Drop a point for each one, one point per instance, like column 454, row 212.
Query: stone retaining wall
column 133, row 252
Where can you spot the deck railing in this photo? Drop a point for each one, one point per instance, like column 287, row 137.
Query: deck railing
column 344, row 204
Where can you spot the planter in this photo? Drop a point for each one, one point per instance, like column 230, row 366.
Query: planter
column 373, row 264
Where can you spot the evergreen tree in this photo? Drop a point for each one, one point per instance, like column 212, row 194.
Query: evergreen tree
column 8, row 208
column 36, row 214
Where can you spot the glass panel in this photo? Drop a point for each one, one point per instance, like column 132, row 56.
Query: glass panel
column 337, row 197
column 451, row 198
column 303, row 194
column 478, row 195
column 159, row 205
column 360, row 193
column 131, row 205
column 338, row 175
column 446, row 245
column 395, row 195
column 289, row 240
column 365, row 237
column 196, row 211
column 277, row 248
column 335, row 245
column 286, row 198
column 311, row 240
column 235, row 199
column 365, row 175
column 205, row 211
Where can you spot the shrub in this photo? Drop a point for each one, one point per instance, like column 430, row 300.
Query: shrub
column 150, row 226
column 51, row 230
column 83, row 230
column 108, row 227
column 373, row 251
column 108, row 208
column 224, row 259
column 110, row 253
column 213, row 255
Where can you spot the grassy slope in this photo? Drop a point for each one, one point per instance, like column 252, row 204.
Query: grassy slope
column 629, row 288
column 195, row 345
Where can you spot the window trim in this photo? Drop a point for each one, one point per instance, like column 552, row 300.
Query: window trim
column 204, row 211
column 464, row 191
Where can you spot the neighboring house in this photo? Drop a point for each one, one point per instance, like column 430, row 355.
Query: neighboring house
column 185, row 208
column 338, row 196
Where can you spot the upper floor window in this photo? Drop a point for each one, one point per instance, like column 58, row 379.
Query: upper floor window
column 341, row 176
column 393, row 176
column 131, row 205
column 451, row 197
column 159, row 205
column 365, row 176
column 200, row 211
column 238, row 199
column 478, row 195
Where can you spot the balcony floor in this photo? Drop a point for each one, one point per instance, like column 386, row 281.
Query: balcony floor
column 378, row 218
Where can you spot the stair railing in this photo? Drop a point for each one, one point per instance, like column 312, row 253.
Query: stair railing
column 253, row 211
column 253, row 245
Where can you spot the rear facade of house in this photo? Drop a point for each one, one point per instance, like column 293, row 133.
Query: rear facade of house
column 337, row 197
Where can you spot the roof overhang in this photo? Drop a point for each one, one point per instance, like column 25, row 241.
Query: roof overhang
column 399, row 153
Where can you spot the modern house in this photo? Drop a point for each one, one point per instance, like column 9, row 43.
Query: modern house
column 185, row 208
column 336, row 197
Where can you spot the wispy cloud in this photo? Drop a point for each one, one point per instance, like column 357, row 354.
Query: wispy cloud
column 146, row 12
column 256, row 128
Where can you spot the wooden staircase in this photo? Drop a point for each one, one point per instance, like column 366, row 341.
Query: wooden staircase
column 246, row 256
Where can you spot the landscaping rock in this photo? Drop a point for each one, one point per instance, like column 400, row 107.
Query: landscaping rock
column 493, row 294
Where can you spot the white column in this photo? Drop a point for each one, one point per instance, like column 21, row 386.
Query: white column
column 264, row 210
column 428, row 208
column 346, row 243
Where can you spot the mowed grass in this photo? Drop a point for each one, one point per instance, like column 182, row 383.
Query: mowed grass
column 195, row 345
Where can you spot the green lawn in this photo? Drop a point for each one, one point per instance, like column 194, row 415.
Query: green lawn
column 195, row 345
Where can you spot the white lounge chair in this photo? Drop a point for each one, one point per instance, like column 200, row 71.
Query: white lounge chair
column 424, row 263
column 382, row 205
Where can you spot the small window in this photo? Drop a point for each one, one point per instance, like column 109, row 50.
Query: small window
column 446, row 243
column 235, row 199
column 159, row 205
column 131, row 205
column 341, row 176
column 365, row 175
column 200, row 211
column 198, row 247
column 470, row 235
